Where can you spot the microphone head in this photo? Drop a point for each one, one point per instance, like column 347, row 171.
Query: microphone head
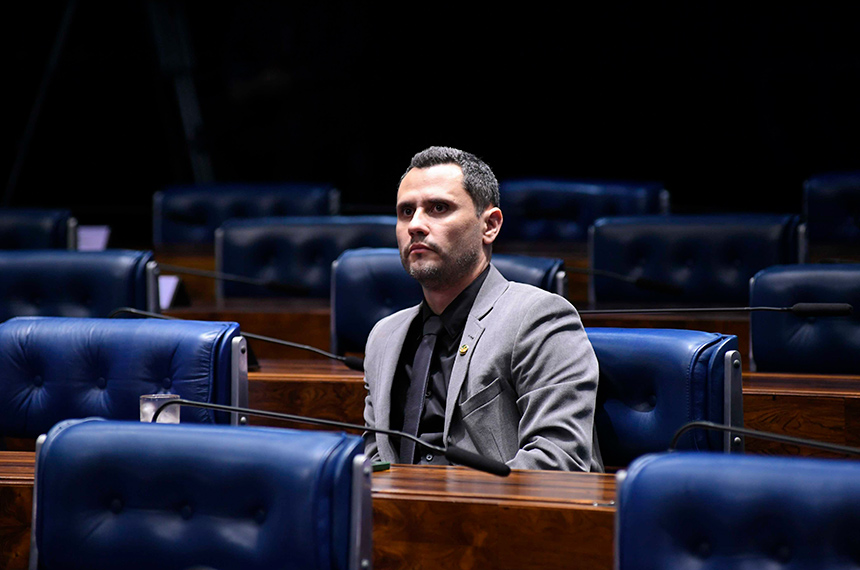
column 354, row 363
column 822, row 309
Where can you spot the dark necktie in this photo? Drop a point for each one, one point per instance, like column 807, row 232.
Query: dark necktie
column 418, row 387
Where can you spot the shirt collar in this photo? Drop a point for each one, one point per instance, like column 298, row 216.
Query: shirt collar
column 455, row 314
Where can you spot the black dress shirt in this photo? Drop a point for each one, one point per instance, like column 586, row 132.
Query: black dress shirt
column 432, row 424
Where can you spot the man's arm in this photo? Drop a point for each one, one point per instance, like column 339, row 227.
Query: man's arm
column 555, row 373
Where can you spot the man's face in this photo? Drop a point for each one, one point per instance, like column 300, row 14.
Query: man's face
column 438, row 232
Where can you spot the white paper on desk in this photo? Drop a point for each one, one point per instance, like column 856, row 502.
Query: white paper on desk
column 167, row 285
column 93, row 238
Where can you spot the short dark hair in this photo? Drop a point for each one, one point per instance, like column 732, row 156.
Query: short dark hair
column 478, row 179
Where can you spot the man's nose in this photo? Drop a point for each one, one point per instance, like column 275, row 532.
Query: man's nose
column 418, row 223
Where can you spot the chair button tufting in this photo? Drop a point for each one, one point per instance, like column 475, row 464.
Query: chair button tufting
column 101, row 383
column 167, row 382
column 260, row 516
column 704, row 549
column 186, row 511
column 37, row 381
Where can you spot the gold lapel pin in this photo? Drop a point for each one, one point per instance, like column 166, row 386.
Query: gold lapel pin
column 464, row 349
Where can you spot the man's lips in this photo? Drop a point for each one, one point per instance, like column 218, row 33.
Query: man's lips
column 420, row 248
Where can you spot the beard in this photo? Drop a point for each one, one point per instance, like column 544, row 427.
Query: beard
column 450, row 267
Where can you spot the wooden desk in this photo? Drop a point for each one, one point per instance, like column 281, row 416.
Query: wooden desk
column 817, row 407
column 427, row 517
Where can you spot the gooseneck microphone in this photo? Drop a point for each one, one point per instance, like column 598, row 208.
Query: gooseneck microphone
column 798, row 309
column 453, row 454
column 352, row 362
column 270, row 284
column 761, row 435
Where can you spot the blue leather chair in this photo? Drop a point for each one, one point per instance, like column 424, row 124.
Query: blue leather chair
column 56, row 368
column 784, row 342
column 294, row 251
column 705, row 510
column 32, row 228
column 558, row 210
column 76, row 283
column 369, row 284
column 189, row 215
column 138, row 496
column 710, row 257
column 655, row 381
column 831, row 208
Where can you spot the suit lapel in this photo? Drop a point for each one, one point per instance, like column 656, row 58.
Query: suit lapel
column 388, row 365
column 493, row 287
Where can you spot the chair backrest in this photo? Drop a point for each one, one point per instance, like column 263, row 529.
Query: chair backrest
column 136, row 496
column 76, row 283
column 654, row 381
column 294, row 251
column 27, row 228
column 784, row 342
column 710, row 257
column 189, row 215
column 831, row 208
column 552, row 210
column 705, row 510
column 56, row 368
column 369, row 284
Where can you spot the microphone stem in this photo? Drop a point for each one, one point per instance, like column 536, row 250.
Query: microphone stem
column 683, row 310
column 245, row 334
column 290, row 417
column 762, row 435
column 212, row 274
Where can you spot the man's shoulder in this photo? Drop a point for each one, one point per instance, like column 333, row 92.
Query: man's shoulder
column 396, row 320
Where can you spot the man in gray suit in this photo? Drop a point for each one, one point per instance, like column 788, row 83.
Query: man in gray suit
column 511, row 373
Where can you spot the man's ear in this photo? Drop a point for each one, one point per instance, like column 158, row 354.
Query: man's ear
column 492, row 223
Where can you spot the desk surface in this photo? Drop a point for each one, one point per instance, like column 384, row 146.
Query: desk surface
column 429, row 517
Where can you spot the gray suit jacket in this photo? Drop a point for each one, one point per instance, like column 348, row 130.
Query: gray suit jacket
column 522, row 391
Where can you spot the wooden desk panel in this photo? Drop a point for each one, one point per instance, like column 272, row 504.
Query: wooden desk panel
column 428, row 517
column 452, row 517
column 817, row 407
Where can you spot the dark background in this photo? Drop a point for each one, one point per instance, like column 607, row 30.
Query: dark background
column 730, row 105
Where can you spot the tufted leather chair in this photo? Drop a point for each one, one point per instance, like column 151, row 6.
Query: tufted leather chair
column 548, row 210
column 295, row 251
column 56, row 368
column 76, row 283
column 831, row 208
column 370, row 283
column 37, row 229
column 705, row 510
column 710, row 257
column 654, row 381
column 190, row 214
column 136, row 496
column 783, row 342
